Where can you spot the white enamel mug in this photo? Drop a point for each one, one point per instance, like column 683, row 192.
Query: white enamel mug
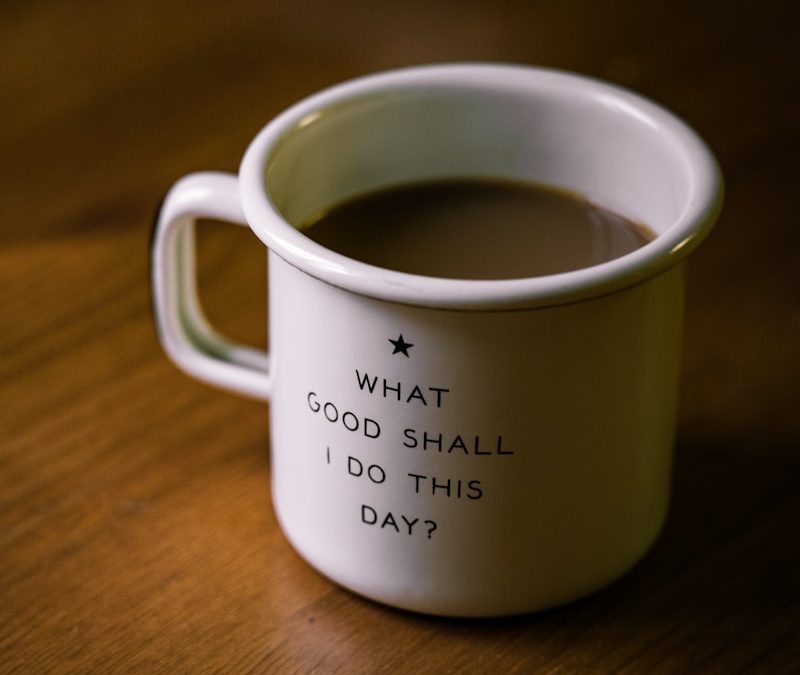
column 457, row 447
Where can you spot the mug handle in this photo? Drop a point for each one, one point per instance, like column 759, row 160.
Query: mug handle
column 185, row 333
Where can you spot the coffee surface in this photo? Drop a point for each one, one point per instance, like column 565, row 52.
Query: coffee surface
column 476, row 229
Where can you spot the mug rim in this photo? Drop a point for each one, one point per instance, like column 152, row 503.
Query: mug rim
column 666, row 250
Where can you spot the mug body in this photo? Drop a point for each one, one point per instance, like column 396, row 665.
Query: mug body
column 514, row 460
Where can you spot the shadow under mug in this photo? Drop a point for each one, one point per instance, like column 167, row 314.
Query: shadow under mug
column 457, row 447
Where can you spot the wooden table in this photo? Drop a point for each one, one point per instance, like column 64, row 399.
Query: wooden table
column 136, row 531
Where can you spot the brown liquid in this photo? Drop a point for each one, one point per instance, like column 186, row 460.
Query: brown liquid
column 476, row 229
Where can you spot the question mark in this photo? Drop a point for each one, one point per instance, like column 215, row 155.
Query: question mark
column 431, row 528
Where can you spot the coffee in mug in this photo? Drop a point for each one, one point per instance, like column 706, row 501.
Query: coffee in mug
column 476, row 229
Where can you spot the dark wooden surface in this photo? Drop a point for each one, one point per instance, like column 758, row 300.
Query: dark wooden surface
column 136, row 531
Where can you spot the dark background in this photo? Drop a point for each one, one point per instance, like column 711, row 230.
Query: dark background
column 136, row 532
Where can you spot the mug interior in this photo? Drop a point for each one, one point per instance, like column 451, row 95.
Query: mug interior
column 496, row 122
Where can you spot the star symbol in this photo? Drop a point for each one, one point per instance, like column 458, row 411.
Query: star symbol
column 401, row 346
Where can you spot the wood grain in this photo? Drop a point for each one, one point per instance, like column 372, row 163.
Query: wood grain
column 136, row 530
